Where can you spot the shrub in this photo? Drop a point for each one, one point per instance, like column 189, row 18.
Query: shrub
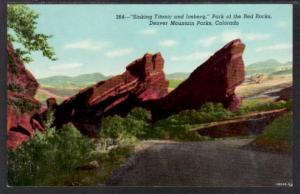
column 112, row 126
column 15, row 88
column 23, row 105
column 264, row 107
column 135, row 124
column 280, row 129
column 208, row 112
column 48, row 155
column 278, row 136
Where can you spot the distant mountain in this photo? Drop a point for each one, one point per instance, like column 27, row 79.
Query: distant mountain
column 67, row 82
column 267, row 67
column 178, row 76
column 72, row 82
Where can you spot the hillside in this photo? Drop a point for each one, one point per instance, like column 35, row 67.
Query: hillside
column 178, row 76
column 72, row 82
column 66, row 85
column 268, row 66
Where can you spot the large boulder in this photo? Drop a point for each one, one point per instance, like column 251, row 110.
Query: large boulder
column 213, row 81
column 142, row 81
column 22, row 109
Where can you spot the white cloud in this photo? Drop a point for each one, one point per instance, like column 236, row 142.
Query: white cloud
column 196, row 56
column 230, row 35
column 227, row 36
column 87, row 45
column 256, row 36
column 279, row 46
column 207, row 42
column 148, row 31
column 281, row 24
column 119, row 52
column 65, row 66
column 168, row 43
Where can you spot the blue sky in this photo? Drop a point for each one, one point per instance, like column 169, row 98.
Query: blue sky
column 88, row 38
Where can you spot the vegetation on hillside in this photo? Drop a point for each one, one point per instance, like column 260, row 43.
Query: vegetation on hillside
column 55, row 157
column 278, row 136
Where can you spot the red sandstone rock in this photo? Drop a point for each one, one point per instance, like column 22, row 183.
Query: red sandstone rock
column 143, row 80
column 15, row 138
column 144, row 84
column 22, row 107
column 213, row 81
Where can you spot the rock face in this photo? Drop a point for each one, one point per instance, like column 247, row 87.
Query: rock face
column 213, row 81
column 283, row 94
column 22, row 109
column 142, row 81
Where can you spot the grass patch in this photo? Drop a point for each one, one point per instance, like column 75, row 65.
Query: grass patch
column 256, row 101
column 278, row 136
column 258, row 107
column 41, row 96
column 173, row 83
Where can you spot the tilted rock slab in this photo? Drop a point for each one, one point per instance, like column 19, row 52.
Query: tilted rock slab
column 213, row 81
column 143, row 80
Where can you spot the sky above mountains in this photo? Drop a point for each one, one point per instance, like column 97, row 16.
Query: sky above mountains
column 88, row 38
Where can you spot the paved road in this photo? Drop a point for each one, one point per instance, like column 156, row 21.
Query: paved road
column 209, row 163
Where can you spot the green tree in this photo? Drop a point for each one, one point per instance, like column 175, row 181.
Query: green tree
column 21, row 24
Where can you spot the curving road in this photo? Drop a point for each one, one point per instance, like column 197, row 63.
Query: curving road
column 209, row 163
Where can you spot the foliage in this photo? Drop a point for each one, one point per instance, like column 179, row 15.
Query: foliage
column 13, row 65
column 21, row 24
column 280, row 129
column 109, row 161
column 278, row 136
column 173, row 83
column 48, row 155
column 177, row 126
column 135, row 124
column 208, row 112
column 23, row 105
column 15, row 88
column 264, row 107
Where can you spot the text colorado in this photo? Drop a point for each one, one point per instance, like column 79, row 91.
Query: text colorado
column 192, row 23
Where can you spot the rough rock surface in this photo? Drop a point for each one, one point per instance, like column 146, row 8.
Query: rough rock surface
column 213, row 81
column 283, row 94
column 143, row 80
column 22, row 109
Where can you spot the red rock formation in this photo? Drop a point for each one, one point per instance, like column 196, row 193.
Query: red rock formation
column 213, row 81
column 22, row 109
column 283, row 94
column 144, row 84
column 143, row 80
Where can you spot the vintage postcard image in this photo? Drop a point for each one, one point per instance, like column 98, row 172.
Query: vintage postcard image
column 150, row 95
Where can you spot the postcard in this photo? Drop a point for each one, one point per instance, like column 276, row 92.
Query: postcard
column 150, row 95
